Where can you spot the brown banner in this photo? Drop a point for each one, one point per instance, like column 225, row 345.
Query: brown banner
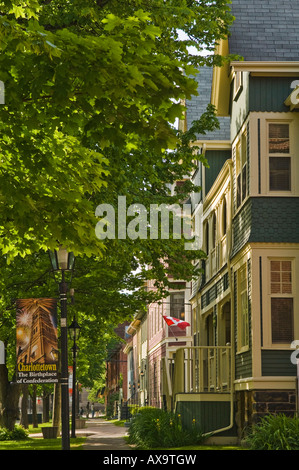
column 37, row 344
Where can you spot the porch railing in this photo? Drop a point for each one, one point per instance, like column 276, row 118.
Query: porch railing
column 199, row 369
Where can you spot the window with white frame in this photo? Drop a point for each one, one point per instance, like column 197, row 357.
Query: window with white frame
column 279, row 156
column 281, row 305
column 177, row 305
column 242, row 297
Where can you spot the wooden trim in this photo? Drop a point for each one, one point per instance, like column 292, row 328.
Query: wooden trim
column 203, row 397
column 262, row 68
column 259, row 155
column 212, row 144
column 219, row 187
column 220, row 92
column 264, row 383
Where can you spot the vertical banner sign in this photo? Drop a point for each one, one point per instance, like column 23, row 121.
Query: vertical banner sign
column 70, row 381
column 37, row 341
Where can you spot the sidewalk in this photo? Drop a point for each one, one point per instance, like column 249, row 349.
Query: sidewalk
column 102, row 435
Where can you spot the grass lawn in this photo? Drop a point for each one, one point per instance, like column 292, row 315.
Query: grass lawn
column 39, row 443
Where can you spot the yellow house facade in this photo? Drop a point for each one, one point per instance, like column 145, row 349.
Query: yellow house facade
column 245, row 315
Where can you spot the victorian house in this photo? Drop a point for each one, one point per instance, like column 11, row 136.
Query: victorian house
column 237, row 361
column 245, row 306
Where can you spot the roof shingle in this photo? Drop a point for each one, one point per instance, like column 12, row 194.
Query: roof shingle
column 265, row 30
column 198, row 105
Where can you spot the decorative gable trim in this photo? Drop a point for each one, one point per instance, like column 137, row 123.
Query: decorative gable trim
column 266, row 68
column 221, row 82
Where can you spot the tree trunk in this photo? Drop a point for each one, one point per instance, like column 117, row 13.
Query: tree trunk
column 56, row 405
column 34, row 412
column 9, row 400
column 46, row 407
column 24, row 407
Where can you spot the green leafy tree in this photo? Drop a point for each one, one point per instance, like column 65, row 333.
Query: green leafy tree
column 92, row 90
column 89, row 87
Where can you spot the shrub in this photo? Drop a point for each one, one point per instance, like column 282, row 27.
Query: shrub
column 274, row 432
column 4, row 434
column 17, row 434
column 153, row 427
column 134, row 409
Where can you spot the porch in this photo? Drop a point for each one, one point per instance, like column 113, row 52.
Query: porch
column 197, row 383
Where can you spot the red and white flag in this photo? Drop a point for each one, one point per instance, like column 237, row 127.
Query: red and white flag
column 171, row 321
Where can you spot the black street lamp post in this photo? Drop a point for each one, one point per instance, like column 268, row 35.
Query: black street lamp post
column 74, row 330
column 63, row 261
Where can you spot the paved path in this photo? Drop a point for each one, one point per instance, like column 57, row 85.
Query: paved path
column 102, row 435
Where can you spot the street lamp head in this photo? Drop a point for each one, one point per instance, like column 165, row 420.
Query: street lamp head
column 74, row 329
column 54, row 354
column 62, row 260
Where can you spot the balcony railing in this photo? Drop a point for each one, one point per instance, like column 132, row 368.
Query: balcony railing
column 199, row 369
column 216, row 258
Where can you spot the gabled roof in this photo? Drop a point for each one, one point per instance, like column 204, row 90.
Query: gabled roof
column 265, row 30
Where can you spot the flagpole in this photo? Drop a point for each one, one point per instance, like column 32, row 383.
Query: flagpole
column 170, row 326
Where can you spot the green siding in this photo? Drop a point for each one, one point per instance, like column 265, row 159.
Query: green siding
column 277, row 364
column 216, row 160
column 215, row 291
column 275, row 219
column 242, row 227
column 209, row 415
column 269, row 93
column 243, row 365
column 266, row 219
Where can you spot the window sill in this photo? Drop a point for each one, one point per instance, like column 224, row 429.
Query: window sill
column 286, row 193
column 243, row 350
